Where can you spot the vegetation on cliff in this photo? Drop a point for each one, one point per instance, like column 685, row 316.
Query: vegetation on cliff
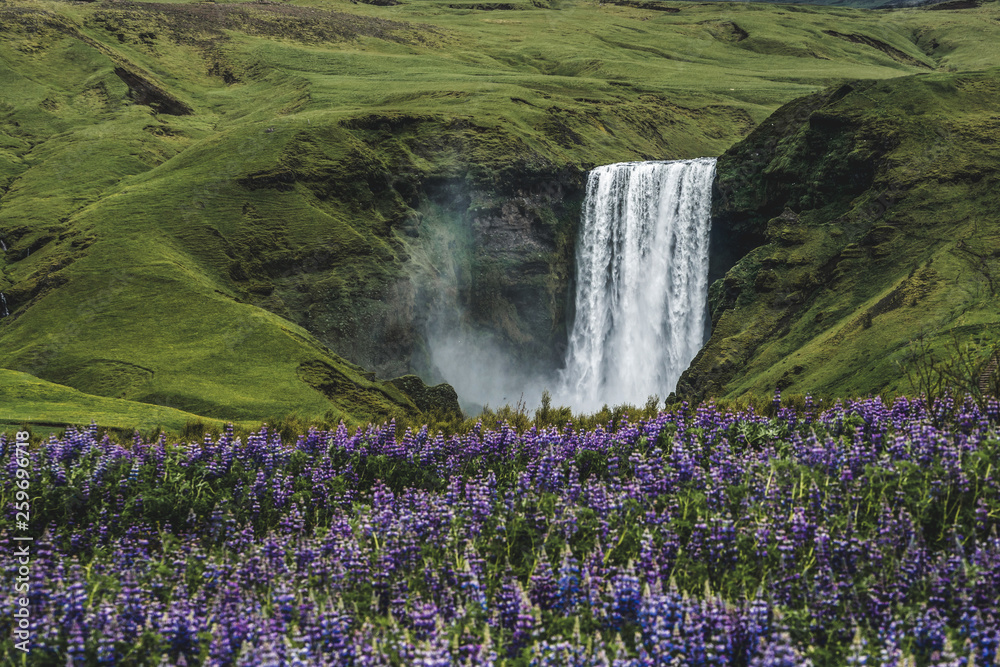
column 866, row 218
column 222, row 208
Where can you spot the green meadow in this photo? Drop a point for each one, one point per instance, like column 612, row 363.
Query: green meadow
column 204, row 204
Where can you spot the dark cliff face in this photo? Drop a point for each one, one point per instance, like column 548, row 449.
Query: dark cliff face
column 848, row 224
column 445, row 227
column 464, row 249
column 518, row 264
column 761, row 175
column 494, row 260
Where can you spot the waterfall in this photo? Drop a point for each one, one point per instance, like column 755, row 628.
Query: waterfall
column 641, row 282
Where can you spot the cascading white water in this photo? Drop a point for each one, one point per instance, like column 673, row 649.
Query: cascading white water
column 641, row 282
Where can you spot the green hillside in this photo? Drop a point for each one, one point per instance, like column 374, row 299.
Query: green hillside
column 223, row 209
column 27, row 400
column 891, row 237
column 935, row 5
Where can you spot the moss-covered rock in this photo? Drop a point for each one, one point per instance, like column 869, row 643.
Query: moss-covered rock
column 439, row 399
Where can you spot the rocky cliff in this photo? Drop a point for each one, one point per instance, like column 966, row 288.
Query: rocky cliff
column 464, row 248
column 850, row 224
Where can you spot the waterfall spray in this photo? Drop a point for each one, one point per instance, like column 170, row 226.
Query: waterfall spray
column 641, row 282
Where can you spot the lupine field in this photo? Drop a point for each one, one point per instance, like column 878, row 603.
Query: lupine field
column 860, row 534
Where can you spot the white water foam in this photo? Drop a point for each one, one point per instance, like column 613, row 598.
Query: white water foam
column 641, row 282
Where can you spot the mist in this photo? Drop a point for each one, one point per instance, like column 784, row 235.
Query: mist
column 449, row 265
column 484, row 373
column 640, row 304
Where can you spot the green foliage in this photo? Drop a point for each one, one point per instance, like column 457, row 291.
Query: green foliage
column 267, row 229
column 883, row 244
column 180, row 491
column 29, row 401
column 954, row 368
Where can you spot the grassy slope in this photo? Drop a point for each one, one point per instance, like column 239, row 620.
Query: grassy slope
column 895, row 236
column 138, row 240
column 858, row 4
column 25, row 399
